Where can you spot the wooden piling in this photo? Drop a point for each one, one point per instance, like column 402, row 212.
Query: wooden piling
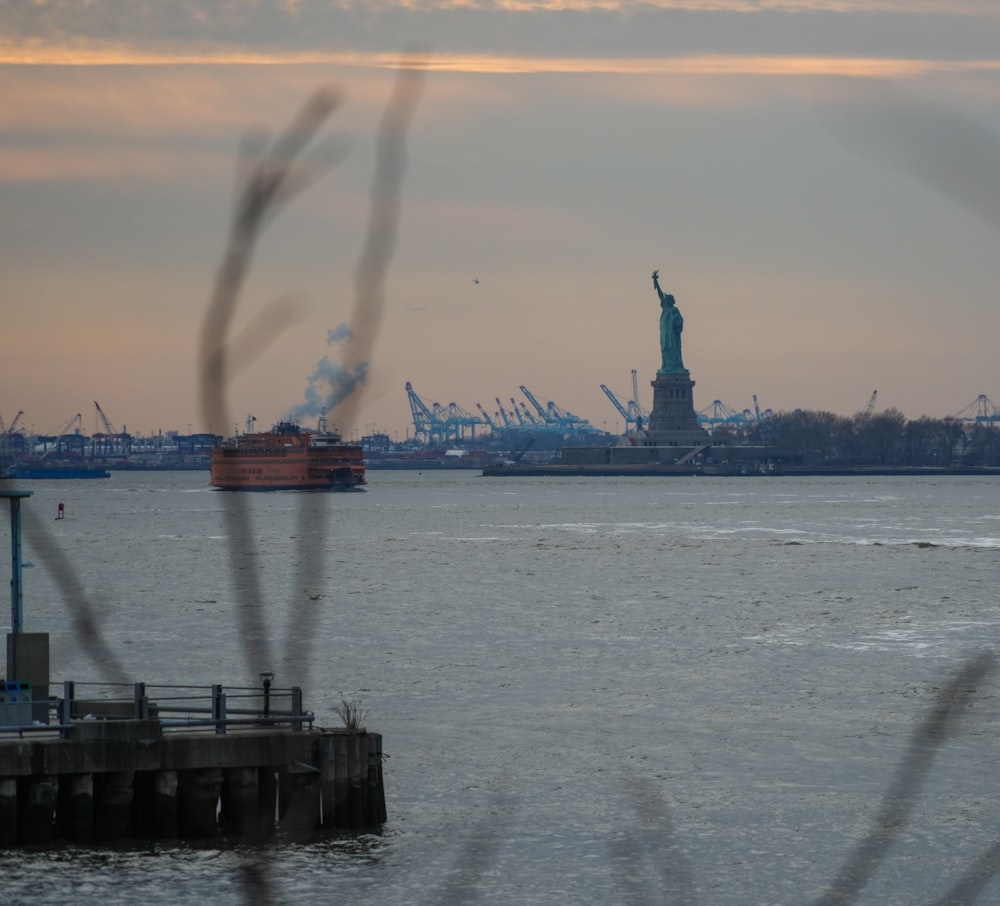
column 240, row 801
column 376, row 784
column 267, row 800
column 298, row 801
column 36, row 808
column 198, row 794
column 8, row 812
column 75, row 808
column 164, row 811
column 113, row 805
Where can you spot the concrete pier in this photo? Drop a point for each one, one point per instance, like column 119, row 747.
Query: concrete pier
column 121, row 779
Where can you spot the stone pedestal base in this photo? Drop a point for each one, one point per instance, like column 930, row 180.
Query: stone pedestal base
column 673, row 421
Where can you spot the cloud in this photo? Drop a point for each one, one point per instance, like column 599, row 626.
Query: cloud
column 470, row 35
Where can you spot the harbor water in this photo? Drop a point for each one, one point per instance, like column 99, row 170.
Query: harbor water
column 646, row 690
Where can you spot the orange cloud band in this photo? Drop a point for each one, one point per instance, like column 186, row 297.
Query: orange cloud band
column 37, row 54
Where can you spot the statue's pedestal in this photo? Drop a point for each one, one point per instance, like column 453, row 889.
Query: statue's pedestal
column 673, row 421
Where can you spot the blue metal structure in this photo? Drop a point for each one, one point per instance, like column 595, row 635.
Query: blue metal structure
column 508, row 422
column 718, row 413
column 555, row 417
column 635, row 416
column 527, row 415
column 17, row 564
column 617, row 405
column 461, row 423
column 423, row 418
column 489, row 421
column 436, row 424
column 981, row 411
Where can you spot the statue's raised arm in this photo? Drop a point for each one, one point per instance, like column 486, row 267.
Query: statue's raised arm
column 656, row 284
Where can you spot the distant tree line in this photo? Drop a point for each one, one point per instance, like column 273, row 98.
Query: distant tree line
column 884, row 438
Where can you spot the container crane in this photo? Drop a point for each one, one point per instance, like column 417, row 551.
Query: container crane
column 629, row 424
column 462, row 421
column 638, row 413
column 757, row 417
column 66, row 438
column 12, row 427
column 7, row 435
column 565, row 418
column 71, row 427
column 982, row 410
column 445, row 430
column 555, row 417
column 113, row 441
column 108, row 427
column 541, row 409
column 527, row 415
column 719, row 413
column 507, row 421
column 489, row 421
column 424, row 426
column 635, row 394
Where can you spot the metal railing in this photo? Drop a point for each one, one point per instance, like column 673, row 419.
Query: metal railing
column 176, row 707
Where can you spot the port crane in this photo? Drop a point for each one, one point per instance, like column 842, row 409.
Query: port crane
column 461, row 422
column 635, row 416
column 424, row 426
column 629, row 424
column 541, row 409
column 758, row 416
column 489, row 421
column 554, row 415
column 508, row 422
column 435, row 424
column 870, row 408
column 12, row 427
column 527, row 415
column 108, row 427
column 7, row 435
column 635, row 396
column 439, row 424
column 718, row 413
column 981, row 411
column 66, row 439
column 112, row 442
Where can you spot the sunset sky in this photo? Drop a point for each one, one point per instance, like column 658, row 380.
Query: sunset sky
column 817, row 181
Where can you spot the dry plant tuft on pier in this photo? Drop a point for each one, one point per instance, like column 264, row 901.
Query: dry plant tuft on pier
column 352, row 714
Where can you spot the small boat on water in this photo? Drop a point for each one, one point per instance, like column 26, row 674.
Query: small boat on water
column 288, row 458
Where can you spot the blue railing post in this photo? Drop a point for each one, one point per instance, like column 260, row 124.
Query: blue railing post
column 141, row 702
column 219, row 708
column 65, row 709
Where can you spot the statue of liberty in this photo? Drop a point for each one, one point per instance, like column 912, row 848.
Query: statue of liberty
column 671, row 326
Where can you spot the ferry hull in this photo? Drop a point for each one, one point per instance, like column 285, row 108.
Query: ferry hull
column 287, row 459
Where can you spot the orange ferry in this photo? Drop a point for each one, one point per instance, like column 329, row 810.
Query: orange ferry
column 288, row 458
